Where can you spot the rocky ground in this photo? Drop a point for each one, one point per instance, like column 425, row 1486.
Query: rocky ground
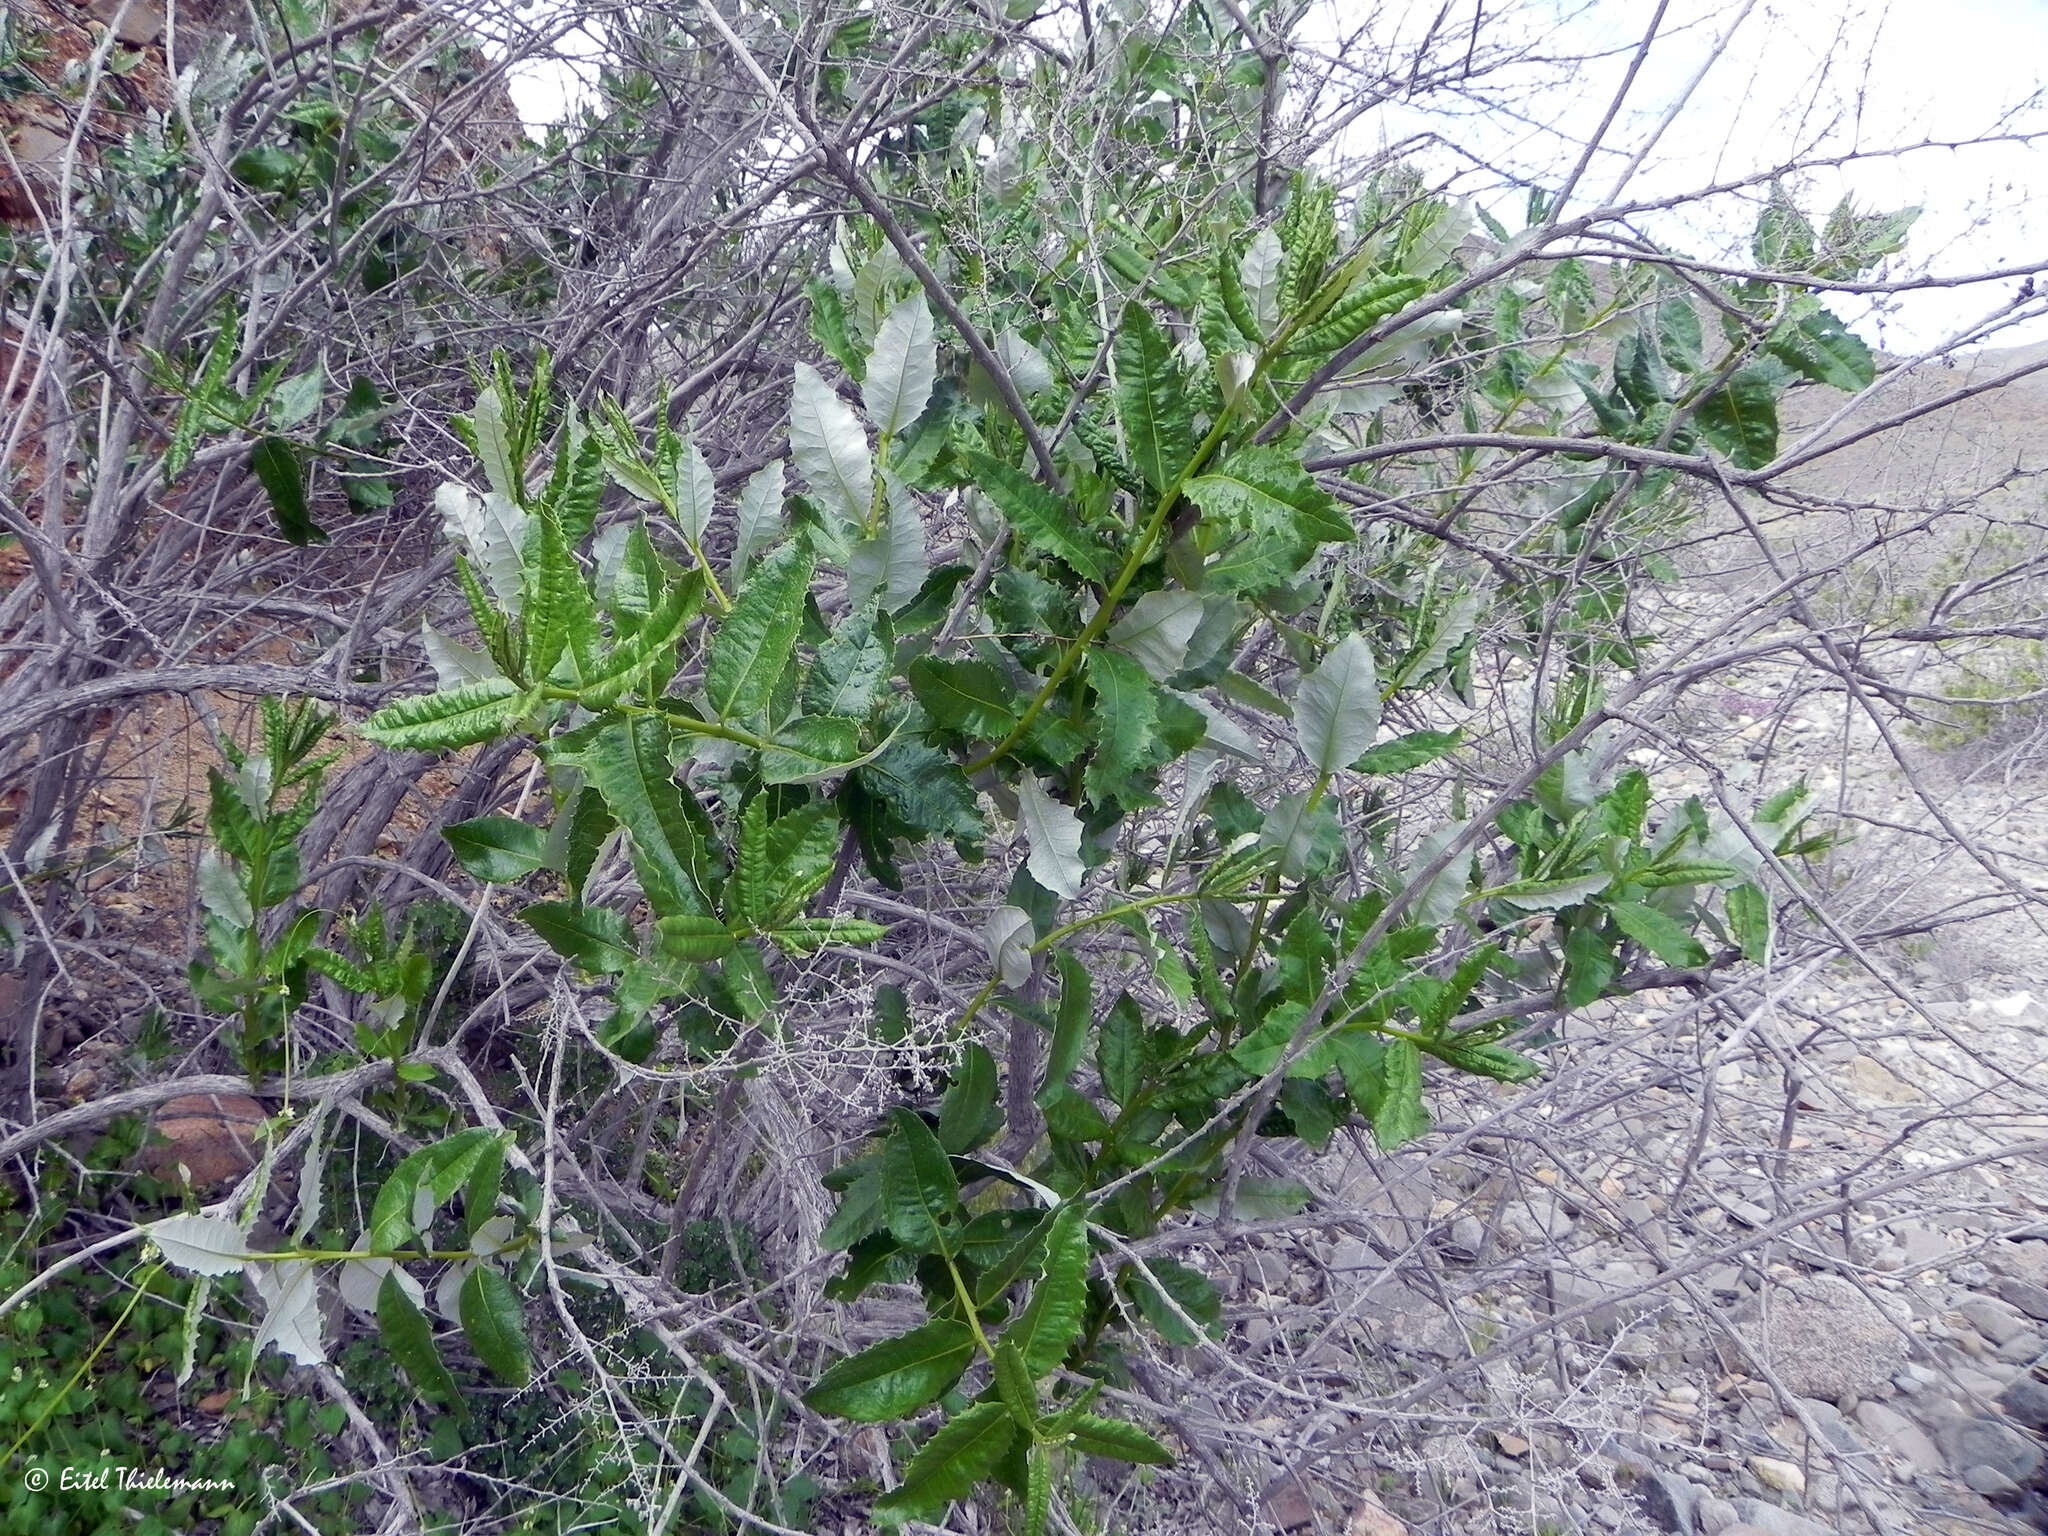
column 1770, row 1262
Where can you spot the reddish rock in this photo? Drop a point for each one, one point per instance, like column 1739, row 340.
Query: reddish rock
column 214, row 1138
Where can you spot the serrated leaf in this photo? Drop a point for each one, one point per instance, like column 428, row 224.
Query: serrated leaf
column 1413, row 750
column 410, row 1339
column 1400, row 1117
column 968, row 1115
column 1041, row 519
column 628, row 763
column 1070, row 1024
column 893, row 1379
column 694, row 939
column 1337, row 711
column 1266, row 493
column 276, row 464
column 597, row 938
column 1749, row 920
column 760, row 517
column 557, row 605
column 846, row 679
column 1151, row 400
column 497, row 849
column 808, row 935
column 784, row 861
column 949, row 1465
column 1124, row 720
column 971, row 697
column 920, row 1194
column 1660, row 934
column 200, row 1245
column 222, row 891
column 495, row 1325
column 291, row 1311
column 1551, row 895
column 1053, row 833
column 493, row 446
column 1741, row 419
column 1013, row 1381
column 1120, row 1051
column 754, row 642
column 902, row 367
column 455, row 717
column 455, row 664
column 1156, row 630
column 1050, row 1323
column 1191, row 1291
column 925, row 790
column 810, row 747
column 893, row 563
column 1116, row 1440
column 830, row 446
column 1260, row 274
column 1823, row 349
column 493, row 530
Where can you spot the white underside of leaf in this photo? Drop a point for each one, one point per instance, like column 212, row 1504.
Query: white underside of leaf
column 454, row 663
column 1337, row 712
column 200, row 1245
column 1008, row 936
column 291, row 1316
column 1054, row 834
column 1157, row 630
column 830, row 446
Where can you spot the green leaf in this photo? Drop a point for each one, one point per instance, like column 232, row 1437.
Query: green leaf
column 1400, row 1117
column 754, row 642
column 925, row 790
column 1194, row 1293
column 1070, row 1025
column 1117, row 1441
column 1044, row 521
column 895, row 1378
column 497, row 849
column 1413, row 750
column 971, row 697
column 455, row 717
column 808, row 935
column 1266, row 491
column 628, row 763
column 495, row 1325
column 1660, row 934
column 968, row 1115
column 1050, row 1323
column 557, row 605
column 1337, row 711
column 1054, row 834
column 1749, row 920
column 1037, row 1491
column 1589, row 966
column 949, row 1465
column 1823, row 349
column 480, row 1188
column 902, row 367
column 1741, row 419
column 1013, row 1381
column 1678, row 333
column 1120, row 1050
column 693, row 938
column 1624, row 807
column 410, row 1338
column 810, row 747
column 830, row 446
column 440, row 1169
column 596, row 938
column 920, row 1195
column 276, row 464
column 1487, row 1060
column 785, row 862
column 847, row 677
column 1151, row 400
column 1124, row 721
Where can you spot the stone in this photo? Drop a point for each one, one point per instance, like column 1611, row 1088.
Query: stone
column 1991, row 1443
column 1824, row 1339
column 2025, row 1399
column 1774, row 1472
column 1671, row 1501
column 1717, row 1516
column 1770, row 1520
column 1899, row 1435
column 1994, row 1319
column 1990, row 1482
column 1286, row 1503
column 206, row 1140
column 1873, row 1080
column 1372, row 1518
column 2026, row 1296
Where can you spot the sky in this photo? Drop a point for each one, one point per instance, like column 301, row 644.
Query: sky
column 1760, row 82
